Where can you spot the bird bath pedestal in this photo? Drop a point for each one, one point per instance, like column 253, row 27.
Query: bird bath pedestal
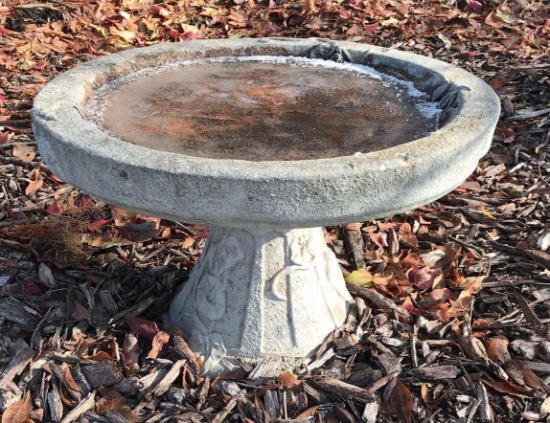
column 266, row 140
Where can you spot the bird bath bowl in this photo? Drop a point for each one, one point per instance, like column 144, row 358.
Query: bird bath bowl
column 266, row 140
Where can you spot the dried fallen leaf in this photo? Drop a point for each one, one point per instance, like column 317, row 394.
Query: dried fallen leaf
column 289, row 380
column 31, row 287
column 497, row 348
column 406, row 235
column 69, row 380
column 158, row 343
column 80, row 312
column 522, row 374
column 5, row 137
column 361, row 277
column 34, row 186
column 24, row 152
column 461, row 305
column 19, row 411
column 505, row 387
column 401, row 401
column 110, row 400
column 308, row 412
column 432, row 396
column 425, row 277
column 472, row 284
column 142, row 326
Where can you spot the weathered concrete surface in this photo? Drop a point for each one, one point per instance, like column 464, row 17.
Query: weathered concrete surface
column 244, row 296
column 235, row 193
column 258, row 292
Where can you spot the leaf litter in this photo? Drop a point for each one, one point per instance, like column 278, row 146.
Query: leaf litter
column 451, row 301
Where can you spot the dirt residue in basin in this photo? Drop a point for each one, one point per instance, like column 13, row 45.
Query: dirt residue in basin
column 262, row 111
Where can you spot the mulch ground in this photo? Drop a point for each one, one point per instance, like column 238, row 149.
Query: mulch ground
column 451, row 301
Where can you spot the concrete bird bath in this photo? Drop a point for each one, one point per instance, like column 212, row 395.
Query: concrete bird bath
column 266, row 140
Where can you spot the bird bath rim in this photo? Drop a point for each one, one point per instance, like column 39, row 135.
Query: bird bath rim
column 468, row 121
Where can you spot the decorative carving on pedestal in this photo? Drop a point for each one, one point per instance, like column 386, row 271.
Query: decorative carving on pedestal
column 262, row 292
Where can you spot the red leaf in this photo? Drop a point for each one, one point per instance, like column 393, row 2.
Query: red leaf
column 53, row 209
column 30, row 287
column 4, row 137
column 142, row 326
column 100, row 223
column 474, row 6
column 80, row 312
column 425, row 277
column 441, row 294
column 5, row 31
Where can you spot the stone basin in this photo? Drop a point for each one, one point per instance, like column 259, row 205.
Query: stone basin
column 265, row 140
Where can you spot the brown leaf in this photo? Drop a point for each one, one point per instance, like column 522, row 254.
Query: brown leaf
column 432, row 397
column 497, row 348
column 520, row 373
column 379, row 238
column 402, row 401
column 18, row 412
column 34, row 186
column 159, row 341
column 472, row 284
column 111, row 400
column 505, row 387
column 308, row 412
column 69, row 380
column 461, row 305
column 24, row 152
column 289, row 380
column 406, row 235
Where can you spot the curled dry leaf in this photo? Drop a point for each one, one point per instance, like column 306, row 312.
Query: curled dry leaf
column 406, row 235
column 69, row 380
column 497, row 348
column 505, row 387
column 379, row 238
column 472, row 284
column 433, row 396
column 159, row 341
column 461, row 305
column 34, row 186
column 19, row 411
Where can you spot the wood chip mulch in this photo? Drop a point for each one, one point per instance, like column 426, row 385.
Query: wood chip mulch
column 451, row 312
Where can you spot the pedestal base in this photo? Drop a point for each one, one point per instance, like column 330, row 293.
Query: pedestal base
column 257, row 293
